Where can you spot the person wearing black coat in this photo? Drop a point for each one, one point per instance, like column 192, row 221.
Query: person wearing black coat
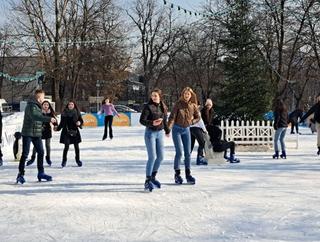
column 70, row 123
column 294, row 116
column 316, row 119
column 1, row 161
column 280, row 125
column 47, row 111
column 221, row 145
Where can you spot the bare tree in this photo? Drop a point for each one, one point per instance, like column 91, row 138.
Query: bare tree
column 158, row 35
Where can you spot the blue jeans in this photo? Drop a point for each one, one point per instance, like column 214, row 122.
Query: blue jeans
column 181, row 136
column 280, row 134
column 155, row 149
column 37, row 143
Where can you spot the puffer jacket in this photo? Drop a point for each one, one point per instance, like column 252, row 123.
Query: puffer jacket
column 33, row 119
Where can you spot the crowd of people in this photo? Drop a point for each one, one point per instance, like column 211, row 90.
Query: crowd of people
column 187, row 123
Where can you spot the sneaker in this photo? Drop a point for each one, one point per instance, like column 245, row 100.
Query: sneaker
column 63, row 163
column 190, row 180
column 1, row 161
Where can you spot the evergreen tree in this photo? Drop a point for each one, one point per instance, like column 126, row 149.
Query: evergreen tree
column 246, row 94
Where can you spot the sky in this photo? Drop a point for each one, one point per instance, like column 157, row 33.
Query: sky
column 192, row 5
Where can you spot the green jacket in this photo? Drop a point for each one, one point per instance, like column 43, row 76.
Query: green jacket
column 33, row 119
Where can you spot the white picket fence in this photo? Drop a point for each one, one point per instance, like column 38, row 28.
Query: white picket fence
column 253, row 133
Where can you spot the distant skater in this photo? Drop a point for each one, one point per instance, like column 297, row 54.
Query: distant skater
column 280, row 125
column 109, row 111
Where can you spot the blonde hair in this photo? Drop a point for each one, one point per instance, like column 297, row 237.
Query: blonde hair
column 193, row 98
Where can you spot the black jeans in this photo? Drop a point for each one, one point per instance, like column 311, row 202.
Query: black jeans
column 66, row 148
column 294, row 125
column 224, row 146
column 37, row 143
column 48, row 149
column 108, row 123
column 197, row 134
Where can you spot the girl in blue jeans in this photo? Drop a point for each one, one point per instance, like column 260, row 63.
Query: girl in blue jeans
column 280, row 125
column 184, row 113
column 154, row 117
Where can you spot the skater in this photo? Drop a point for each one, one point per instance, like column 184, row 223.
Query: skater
column 109, row 111
column 71, row 121
column 198, row 131
column 316, row 119
column 280, row 125
column 154, row 117
column 294, row 120
column 221, row 145
column 31, row 132
column 184, row 113
column 207, row 113
column 48, row 111
column 1, row 161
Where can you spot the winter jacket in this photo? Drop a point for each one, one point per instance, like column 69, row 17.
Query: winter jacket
column 207, row 115
column 293, row 116
column 46, row 127
column 184, row 114
column 281, row 119
column 153, row 111
column 218, row 144
column 314, row 109
column 33, row 119
column 69, row 118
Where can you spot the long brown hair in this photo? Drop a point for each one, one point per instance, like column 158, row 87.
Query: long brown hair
column 163, row 106
column 193, row 98
column 75, row 106
column 280, row 106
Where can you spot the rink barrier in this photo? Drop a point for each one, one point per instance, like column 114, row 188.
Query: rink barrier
column 252, row 133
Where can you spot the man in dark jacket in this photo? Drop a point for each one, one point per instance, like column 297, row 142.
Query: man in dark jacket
column 31, row 132
column 316, row 119
column 1, row 161
column 294, row 117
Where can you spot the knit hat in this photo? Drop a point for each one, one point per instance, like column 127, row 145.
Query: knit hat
column 209, row 102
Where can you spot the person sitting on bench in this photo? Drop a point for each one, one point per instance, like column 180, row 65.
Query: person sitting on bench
column 221, row 145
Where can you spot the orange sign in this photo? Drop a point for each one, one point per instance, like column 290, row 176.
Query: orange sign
column 89, row 120
column 123, row 120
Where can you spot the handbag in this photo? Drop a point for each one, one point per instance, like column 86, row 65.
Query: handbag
column 72, row 132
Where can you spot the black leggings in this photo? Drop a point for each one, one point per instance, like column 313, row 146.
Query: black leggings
column 108, row 123
column 197, row 134
column 224, row 146
column 76, row 149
